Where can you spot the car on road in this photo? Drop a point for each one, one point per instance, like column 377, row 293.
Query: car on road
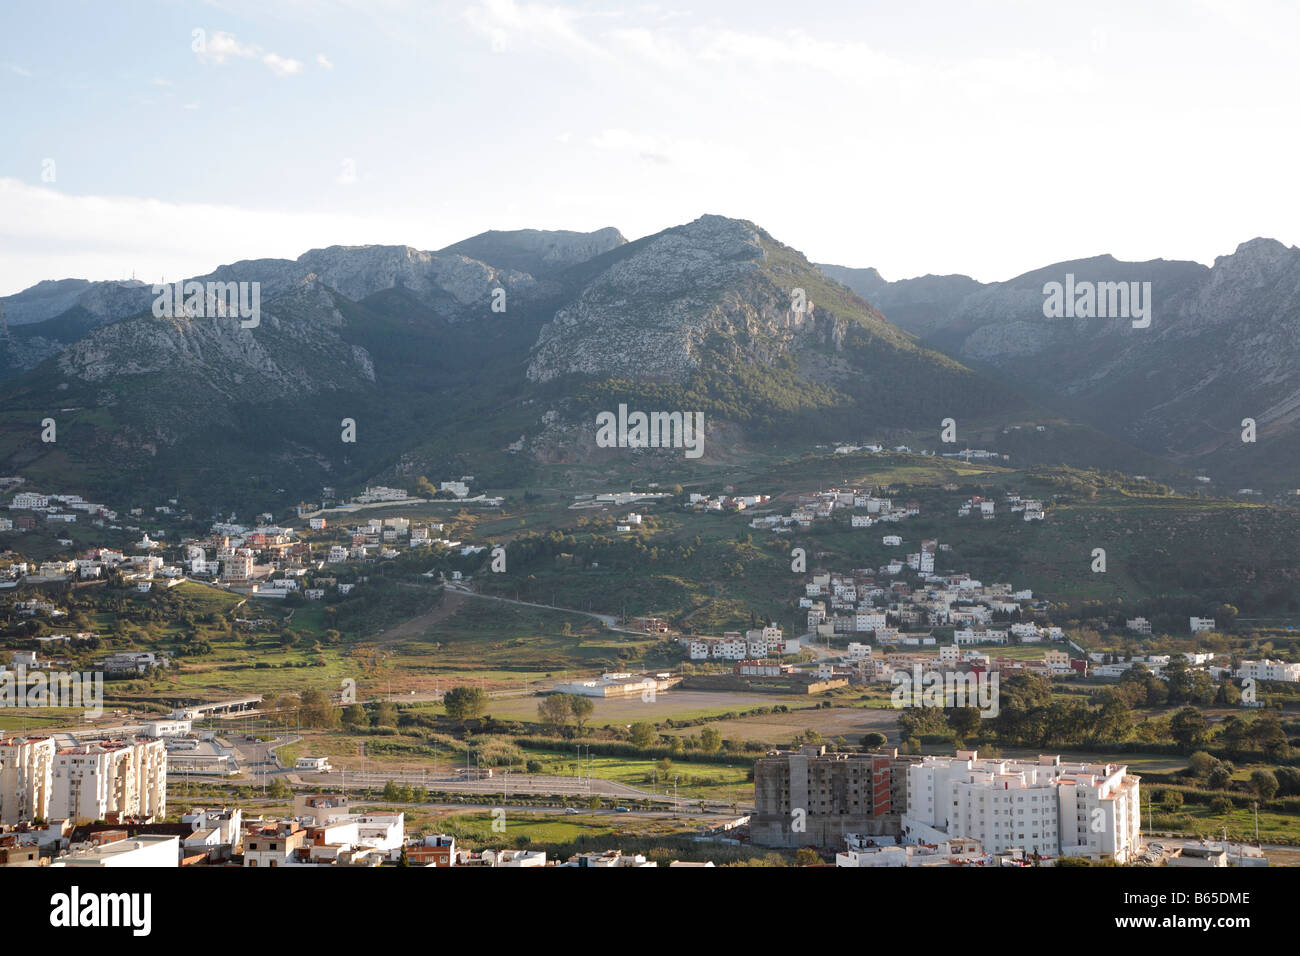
column 570, row 810
column 622, row 810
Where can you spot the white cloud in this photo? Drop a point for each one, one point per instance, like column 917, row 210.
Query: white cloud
column 324, row 61
column 281, row 66
column 15, row 68
column 222, row 46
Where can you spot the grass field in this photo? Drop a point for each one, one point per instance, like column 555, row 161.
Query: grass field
column 715, row 781
column 669, row 705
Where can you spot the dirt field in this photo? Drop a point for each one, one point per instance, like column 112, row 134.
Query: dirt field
column 849, row 722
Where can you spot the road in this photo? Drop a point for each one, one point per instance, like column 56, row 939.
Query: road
column 523, row 783
column 257, row 757
column 609, row 620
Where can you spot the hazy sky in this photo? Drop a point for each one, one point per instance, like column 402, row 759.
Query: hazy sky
column 915, row 137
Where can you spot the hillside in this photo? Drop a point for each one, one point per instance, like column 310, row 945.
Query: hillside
column 699, row 317
column 1221, row 346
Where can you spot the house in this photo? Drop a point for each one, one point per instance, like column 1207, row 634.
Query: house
column 1269, row 670
column 273, row 844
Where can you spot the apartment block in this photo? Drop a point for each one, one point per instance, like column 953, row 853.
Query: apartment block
column 1044, row 807
column 121, row 777
column 26, row 778
column 814, row 798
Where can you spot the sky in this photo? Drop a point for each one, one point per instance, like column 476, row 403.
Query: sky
column 161, row 139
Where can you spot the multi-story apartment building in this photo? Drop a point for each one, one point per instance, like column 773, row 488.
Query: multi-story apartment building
column 237, row 566
column 1269, row 670
column 26, row 778
column 815, row 798
column 121, row 777
column 1042, row 807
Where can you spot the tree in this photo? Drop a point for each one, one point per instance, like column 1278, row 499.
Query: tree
column 386, row 714
column 964, row 721
column 807, row 857
column 392, row 791
column 1288, row 781
column 582, row 708
column 644, row 734
column 1200, row 764
column 464, row 703
column 710, row 740
column 873, row 741
column 354, row 715
column 316, row 710
column 1264, row 783
column 554, row 711
column 1188, row 727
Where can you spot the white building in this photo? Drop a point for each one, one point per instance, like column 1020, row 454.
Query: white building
column 1269, row 670
column 144, row 850
column 26, row 778
column 1199, row 624
column 237, row 566
column 118, row 776
column 1043, row 807
column 869, row 620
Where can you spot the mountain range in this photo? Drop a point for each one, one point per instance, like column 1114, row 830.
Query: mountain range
column 1222, row 347
column 495, row 353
